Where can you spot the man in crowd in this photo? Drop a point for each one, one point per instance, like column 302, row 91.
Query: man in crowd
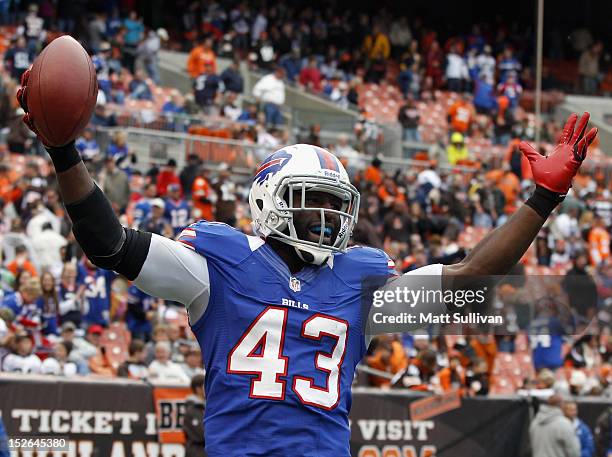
column 270, row 91
column 200, row 57
column 177, row 210
column 582, row 430
column 552, row 434
column 194, row 418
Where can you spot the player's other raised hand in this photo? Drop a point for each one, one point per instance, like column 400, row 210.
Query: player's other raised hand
column 556, row 171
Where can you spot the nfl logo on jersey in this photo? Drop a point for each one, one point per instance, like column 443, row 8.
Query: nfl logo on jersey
column 294, row 284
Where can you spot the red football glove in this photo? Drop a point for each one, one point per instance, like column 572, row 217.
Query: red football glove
column 556, row 171
column 23, row 101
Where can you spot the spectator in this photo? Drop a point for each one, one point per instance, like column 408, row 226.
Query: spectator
column 82, row 349
column 166, row 177
column 292, row 64
column 457, row 150
column 18, row 58
column 310, row 76
column 387, row 355
column 143, row 206
column 33, row 29
column 486, row 65
column 580, row 286
column 162, row 368
column 603, row 434
column 98, row 363
column 49, row 304
column 599, row 242
column 452, row 377
column 155, row 222
column 39, row 216
column 511, row 89
column 148, row 51
column 461, row 114
column 230, row 108
column 175, row 105
column 134, row 367
column 189, row 173
column 59, row 364
column 225, row 190
column 456, row 70
column 192, row 366
column 69, row 297
column 408, row 117
column 206, row 88
column 134, row 30
column 87, row 145
column 552, row 434
column 508, row 64
column 177, row 210
column 140, row 313
column 47, row 245
column 160, row 333
column 588, row 68
column 346, row 152
column 584, row 434
column 484, row 97
column 96, row 29
column 139, row 89
column 200, row 57
column 376, row 44
column 232, row 79
column 203, row 196
column 193, row 419
column 22, row 358
column 118, row 149
column 400, row 35
column 95, row 286
column 21, row 262
column 18, row 140
column 270, row 91
column 14, row 238
column 116, row 184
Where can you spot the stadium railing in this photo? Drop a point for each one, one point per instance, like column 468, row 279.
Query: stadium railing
column 156, row 147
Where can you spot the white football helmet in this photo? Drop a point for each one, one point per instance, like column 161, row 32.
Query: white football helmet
column 302, row 167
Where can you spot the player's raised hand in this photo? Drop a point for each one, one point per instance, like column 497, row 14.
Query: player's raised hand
column 556, row 171
column 22, row 98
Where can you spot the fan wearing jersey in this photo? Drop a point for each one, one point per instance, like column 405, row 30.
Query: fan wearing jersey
column 142, row 209
column 279, row 314
column 177, row 209
column 96, row 285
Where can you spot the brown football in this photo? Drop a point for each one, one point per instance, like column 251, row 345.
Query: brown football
column 61, row 91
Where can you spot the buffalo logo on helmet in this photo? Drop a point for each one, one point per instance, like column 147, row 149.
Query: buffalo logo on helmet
column 272, row 165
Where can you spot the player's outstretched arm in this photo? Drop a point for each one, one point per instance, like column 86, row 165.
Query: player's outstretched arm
column 500, row 250
column 159, row 266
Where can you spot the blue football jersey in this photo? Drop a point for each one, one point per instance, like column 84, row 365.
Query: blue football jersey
column 280, row 350
column 178, row 213
column 547, row 342
column 97, row 296
column 139, row 304
column 142, row 209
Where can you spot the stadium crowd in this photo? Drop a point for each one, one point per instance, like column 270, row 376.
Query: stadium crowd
column 59, row 314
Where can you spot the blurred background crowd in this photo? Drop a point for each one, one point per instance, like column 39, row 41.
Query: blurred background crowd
column 462, row 100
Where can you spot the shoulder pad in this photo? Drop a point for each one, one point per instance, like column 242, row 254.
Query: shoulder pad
column 216, row 241
column 358, row 263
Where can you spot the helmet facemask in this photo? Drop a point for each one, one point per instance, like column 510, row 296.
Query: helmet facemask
column 281, row 220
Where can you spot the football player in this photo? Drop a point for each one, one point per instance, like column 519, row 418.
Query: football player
column 279, row 315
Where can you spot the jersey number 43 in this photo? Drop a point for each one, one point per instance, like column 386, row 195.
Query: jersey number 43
column 260, row 352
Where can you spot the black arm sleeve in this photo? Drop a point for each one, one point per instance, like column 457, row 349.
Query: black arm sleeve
column 104, row 240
